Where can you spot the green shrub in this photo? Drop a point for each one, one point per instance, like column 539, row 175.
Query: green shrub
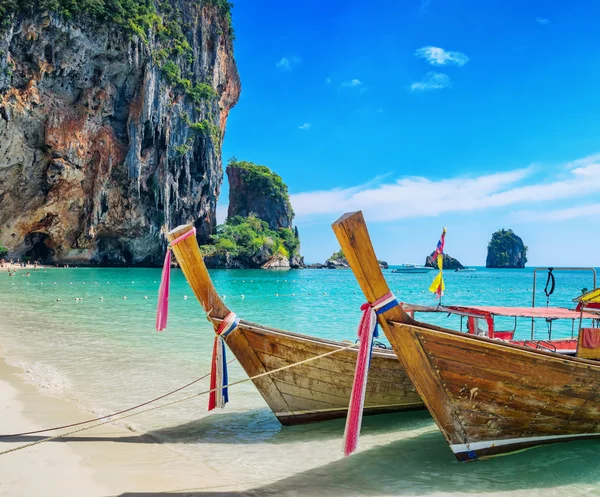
column 338, row 256
column 201, row 92
column 3, row 251
column 246, row 237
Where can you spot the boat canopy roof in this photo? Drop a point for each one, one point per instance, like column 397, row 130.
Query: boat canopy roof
column 524, row 312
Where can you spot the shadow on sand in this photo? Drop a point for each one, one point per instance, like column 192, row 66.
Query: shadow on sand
column 424, row 465
column 417, row 465
column 252, row 427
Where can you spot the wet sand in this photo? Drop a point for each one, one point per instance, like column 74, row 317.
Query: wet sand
column 103, row 461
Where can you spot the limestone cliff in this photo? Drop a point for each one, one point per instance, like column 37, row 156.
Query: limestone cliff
column 111, row 124
column 255, row 189
column 506, row 250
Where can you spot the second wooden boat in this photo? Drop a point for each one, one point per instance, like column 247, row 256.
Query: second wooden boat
column 487, row 396
column 309, row 392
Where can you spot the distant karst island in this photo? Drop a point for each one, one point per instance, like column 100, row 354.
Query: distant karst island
column 338, row 261
column 506, row 250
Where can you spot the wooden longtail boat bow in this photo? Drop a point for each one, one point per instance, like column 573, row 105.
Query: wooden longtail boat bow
column 306, row 393
column 487, row 396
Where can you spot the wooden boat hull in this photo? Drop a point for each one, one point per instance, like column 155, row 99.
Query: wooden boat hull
column 313, row 391
column 500, row 397
column 487, row 396
column 320, row 389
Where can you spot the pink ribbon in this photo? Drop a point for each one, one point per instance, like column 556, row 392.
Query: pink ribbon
column 366, row 332
column 162, row 309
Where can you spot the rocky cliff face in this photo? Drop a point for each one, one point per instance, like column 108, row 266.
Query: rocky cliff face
column 255, row 189
column 506, row 250
column 109, row 135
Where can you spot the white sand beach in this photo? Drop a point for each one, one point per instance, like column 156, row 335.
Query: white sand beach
column 99, row 462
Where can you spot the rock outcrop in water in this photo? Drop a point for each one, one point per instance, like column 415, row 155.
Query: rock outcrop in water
column 111, row 124
column 258, row 232
column 506, row 250
column 449, row 262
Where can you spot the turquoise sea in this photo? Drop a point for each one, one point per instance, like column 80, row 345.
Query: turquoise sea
column 103, row 354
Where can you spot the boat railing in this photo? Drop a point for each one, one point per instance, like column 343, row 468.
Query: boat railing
column 550, row 270
column 540, row 345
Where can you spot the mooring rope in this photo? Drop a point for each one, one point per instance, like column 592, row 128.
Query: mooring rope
column 176, row 401
column 12, row 435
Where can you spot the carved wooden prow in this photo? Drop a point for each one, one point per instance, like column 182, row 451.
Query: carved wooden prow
column 351, row 231
column 188, row 255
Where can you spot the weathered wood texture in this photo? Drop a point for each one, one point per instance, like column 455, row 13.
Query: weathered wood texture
column 320, row 389
column 487, row 396
column 313, row 391
column 501, row 391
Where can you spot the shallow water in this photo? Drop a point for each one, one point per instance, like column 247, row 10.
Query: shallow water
column 104, row 355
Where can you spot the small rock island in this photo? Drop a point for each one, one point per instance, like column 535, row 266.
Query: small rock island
column 258, row 232
column 449, row 262
column 338, row 261
column 506, row 250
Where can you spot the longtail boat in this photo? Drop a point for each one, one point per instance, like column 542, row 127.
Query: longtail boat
column 309, row 392
column 487, row 396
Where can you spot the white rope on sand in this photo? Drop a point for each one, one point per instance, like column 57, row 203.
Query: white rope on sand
column 166, row 404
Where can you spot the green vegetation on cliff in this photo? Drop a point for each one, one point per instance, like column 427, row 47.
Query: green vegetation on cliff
column 171, row 48
column 134, row 16
column 261, row 179
column 506, row 250
column 248, row 237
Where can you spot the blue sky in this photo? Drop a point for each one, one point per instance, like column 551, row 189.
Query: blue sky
column 427, row 113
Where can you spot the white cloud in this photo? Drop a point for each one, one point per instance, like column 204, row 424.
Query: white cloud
column 413, row 197
column 542, row 21
column 353, row 83
column 437, row 56
column 589, row 211
column 432, row 81
column 288, row 63
column 305, row 126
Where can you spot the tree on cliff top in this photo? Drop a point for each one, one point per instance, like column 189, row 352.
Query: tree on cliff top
column 506, row 250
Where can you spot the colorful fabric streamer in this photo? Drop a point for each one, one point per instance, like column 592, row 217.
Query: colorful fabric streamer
column 162, row 309
column 367, row 329
column 219, row 394
column 437, row 286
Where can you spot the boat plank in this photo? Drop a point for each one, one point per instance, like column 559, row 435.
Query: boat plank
column 329, row 369
column 371, row 398
column 347, row 357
